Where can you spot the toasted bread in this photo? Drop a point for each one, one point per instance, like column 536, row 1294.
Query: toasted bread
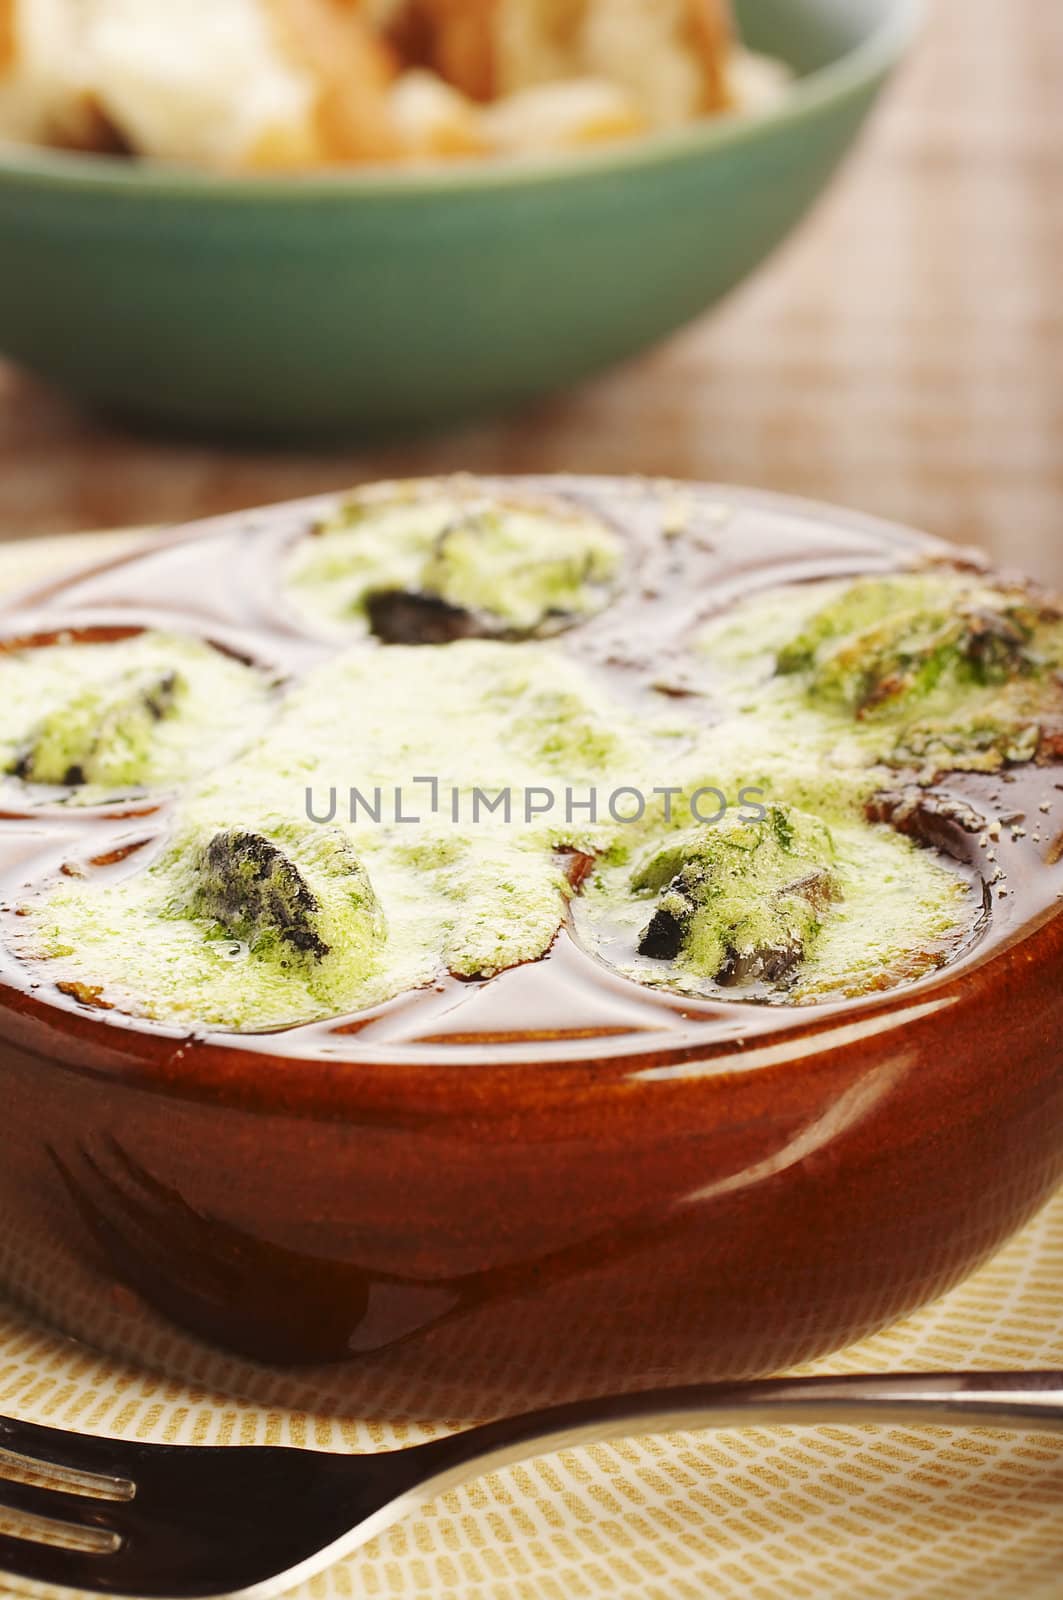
column 303, row 83
column 351, row 69
column 8, row 47
column 561, row 116
column 431, row 119
column 44, row 93
column 670, row 55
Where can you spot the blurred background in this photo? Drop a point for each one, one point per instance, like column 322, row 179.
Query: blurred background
column 903, row 354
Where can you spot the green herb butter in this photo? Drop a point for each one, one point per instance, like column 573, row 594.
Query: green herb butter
column 105, row 718
column 500, row 568
column 250, row 914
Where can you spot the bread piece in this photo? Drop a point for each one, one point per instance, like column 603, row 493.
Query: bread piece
column 204, row 83
column 488, row 48
column 352, row 71
column 431, row 120
column 463, row 43
column 44, row 91
column 561, row 116
column 756, row 82
column 539, row 41
column 8, row 46
column 247, row 83
column 671, row 55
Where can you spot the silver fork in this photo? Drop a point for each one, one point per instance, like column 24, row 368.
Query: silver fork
column 180, row 1522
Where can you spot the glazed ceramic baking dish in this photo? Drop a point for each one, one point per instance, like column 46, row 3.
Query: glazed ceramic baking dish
column 568, row 1176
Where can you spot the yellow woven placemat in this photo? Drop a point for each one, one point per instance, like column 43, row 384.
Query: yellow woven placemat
column 786, row 1514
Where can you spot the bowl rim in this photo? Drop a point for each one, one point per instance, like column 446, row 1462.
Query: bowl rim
column 256, row 1073
column 873, row 58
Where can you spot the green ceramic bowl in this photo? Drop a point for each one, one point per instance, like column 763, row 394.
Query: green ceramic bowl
column 337, row 303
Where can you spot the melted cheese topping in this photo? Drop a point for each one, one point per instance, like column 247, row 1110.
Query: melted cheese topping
column 461, row 887
column 411, row 810
column 75, row 706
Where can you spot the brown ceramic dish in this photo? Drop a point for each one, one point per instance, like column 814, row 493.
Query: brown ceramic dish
column 555, row 1181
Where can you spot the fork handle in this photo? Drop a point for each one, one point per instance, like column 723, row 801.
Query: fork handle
column 1016, row 1400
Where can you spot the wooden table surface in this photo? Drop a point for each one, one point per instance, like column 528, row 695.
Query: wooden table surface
column 903, row 354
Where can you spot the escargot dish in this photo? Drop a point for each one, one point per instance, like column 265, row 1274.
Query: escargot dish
column 523, row 937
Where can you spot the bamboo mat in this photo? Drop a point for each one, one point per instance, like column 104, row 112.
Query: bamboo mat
column 747, row 1514
column 903, row 355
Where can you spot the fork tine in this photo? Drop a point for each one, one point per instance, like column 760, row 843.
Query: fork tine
column 77, row 1512
column 78, row 1453
column 22, row 1562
